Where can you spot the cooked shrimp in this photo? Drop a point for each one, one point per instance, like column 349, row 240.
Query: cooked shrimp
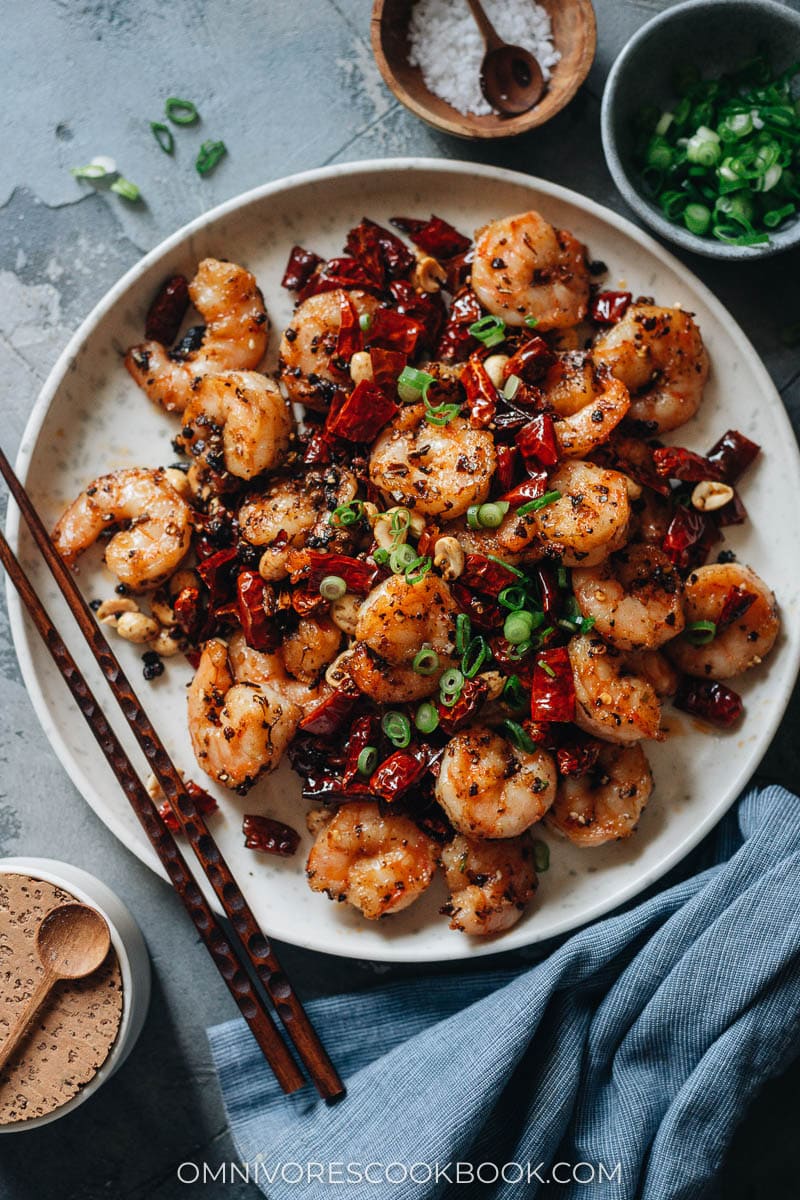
column 437, row 470
column 523, row 267
column 610, row 701
column 659, row 355
column 384, row 683
column 655, row 668
column 271, row 670
column 294, row 512
column 515, row 539
column 308, row 366
column 311, row 647
column 489, row 789
column 490, row 883
column 234, row 339
column 604, row 805
column 635, row 597
column 743, row 643
column 589, row 520
column 378, row 863
column 158, row 526
column 246, row 414
column 239, row 730
column 589, row 404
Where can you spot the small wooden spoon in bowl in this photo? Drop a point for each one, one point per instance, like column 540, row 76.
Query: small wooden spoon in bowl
column 72, row 941
column 511, row 78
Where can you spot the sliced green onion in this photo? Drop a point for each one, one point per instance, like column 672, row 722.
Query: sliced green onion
column 700, row 633
column 531, row 322
column 519, row 736
column 92, row 170
column 704, row 147
column 541, row 856
column 514, row 694
column 502, row 563
column 181, row 112
column 412, row 385
column 381, row 556
column 663, row 123
column 463, row 632
column 659, row 154
column 545, row 666
column 367, row 760
column 401, row 558
column 399, row 524
column 491, row 515
column 426, row 718
column 561, row 577
column 209, row 155
column 475, row 655
column 775, row 216
column 490, row 330
column 364, row 322
column 452, row 681
column 425, row 661
column 125, row 188
column 443, row 414
column 518, row 652
column 538, row 504
column 417, row 570
column 518, row 627
column 347, row 514
column 163, row 135
column 588, row 623
column 513, row 597
column 511, row 386
column 697, row 218
column 332, row 587
column 397, row 728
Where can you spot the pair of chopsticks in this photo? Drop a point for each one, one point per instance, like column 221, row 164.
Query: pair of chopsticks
column 249, row 943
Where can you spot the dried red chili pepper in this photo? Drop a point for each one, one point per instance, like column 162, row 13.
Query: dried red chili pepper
column 689, row 537
column 530, row 362
column 167, row 311
column 428, row 308
column 348, row 341
column 459, row 269
column 191, row 613
column 484, row 613
column 337, row 273
column 733, row 453
column 609, row 307
column 301, row 266
column 486, row 575
column 472, row 696
column 399, row 772
column 481, row 393
column 456, row 342
column 205, row 804
column 553, row 686
column 217, row 573
column 709, row 699
column 319, row 448
column 387, row 366
column 427, row 540
column 732, row 513
column 530, row 489
column 379, row 250
column 363, row 733
column 736, row 603
column 676, row 462
column 577, row 758
column 305, row 603
column 435, row 236
column 549, row 591
column 253, row 597
column 537, row 442
column 393, row 330
column 361, row 415
column 328, row 717
column 617, row 455
column 269, row 836
column 505, row 470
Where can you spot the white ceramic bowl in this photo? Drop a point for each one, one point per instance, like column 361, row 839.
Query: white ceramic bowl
column 134, row 963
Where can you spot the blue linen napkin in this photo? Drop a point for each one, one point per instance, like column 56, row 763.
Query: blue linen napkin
column 633, row 1049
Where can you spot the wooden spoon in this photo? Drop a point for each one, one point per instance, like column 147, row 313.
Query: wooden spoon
column 511, row 78
column 72, row 941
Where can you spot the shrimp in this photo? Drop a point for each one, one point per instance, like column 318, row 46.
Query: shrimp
column 604, row 805
column 659, row 355
column 307, row 362
column 655, row 668
column 524, row 268
column 292, row 513
column 489, row 789
column 490, row 883
column 239, row 730
column 589, row 520
column 158, row 525
column 589, row 404
column 311, row 647
column 245, row 415
column 436, row 470
column 610, row 702
column 234, row 339
column 744, row 642
column 380, row 863
column 272, row 669
column 635, row 597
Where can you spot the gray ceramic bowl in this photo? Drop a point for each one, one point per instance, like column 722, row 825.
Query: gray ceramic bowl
column 717, row 36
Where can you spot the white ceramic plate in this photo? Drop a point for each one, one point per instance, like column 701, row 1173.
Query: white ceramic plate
column 91, row 418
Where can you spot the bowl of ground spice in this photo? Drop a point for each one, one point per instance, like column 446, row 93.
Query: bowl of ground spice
column 429, row 53
column 87, row 1027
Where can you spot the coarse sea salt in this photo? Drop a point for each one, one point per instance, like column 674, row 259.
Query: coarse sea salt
column 446, row 45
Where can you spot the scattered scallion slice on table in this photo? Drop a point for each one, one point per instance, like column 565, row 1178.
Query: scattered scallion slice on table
column 181, row 112
column 209, row 155
column 163, row 135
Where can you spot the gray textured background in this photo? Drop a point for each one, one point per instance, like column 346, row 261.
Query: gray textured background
column 289, row 85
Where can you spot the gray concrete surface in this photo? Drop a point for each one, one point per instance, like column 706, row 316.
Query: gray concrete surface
column 289, row 85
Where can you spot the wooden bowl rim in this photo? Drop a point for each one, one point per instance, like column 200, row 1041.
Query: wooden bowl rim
column 465, row 126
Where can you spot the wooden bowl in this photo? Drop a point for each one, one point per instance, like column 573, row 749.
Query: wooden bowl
column 574, row 36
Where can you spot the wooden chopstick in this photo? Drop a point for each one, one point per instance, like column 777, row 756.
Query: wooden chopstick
column 263, row 1027
column 247, row 934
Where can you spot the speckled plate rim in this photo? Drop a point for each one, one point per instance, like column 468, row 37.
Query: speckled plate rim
column 521, row 935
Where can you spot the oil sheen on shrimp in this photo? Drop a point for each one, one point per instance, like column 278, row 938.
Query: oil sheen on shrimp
column 235, row 336
column 490, row 883
column 524, row 268
column 659, row 355
column 588, row 404
column 589, row 520
column 378, row 862
column 490, row 789
column 745, row 642
column 610, row 701
column 156, row 522
column 308, row 367
column 605, row 804
column 635, row 597
column 246, row 414
column 436, row 470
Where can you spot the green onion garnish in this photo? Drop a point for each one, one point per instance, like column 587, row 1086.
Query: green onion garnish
column 490, row 330
column 539, row 503
column 181, row 112
column 463, row 632
column 426, row 718
column 511, row 386
column 518, row 627
column 541, row 855
column 475, row 655
column 412, row 385
column 514, row 597
column 425, row 661
column 332, row 587
column 451, row 685
column 514, row 693
column 587, row 623
column 487, row 516
column 209, row 155
column 364, row 322
column 381, row 556
column 443, row 414
column 125, row 188
column 367, row 760
column 519, row 736
column 561, row 577
column 397, row 728
column 548, row 670
column 163, row 135
column 531, row 322
column 514, row 570
column 700, row 633
column 401, row 558
column 417, row 570
column 347, row 514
